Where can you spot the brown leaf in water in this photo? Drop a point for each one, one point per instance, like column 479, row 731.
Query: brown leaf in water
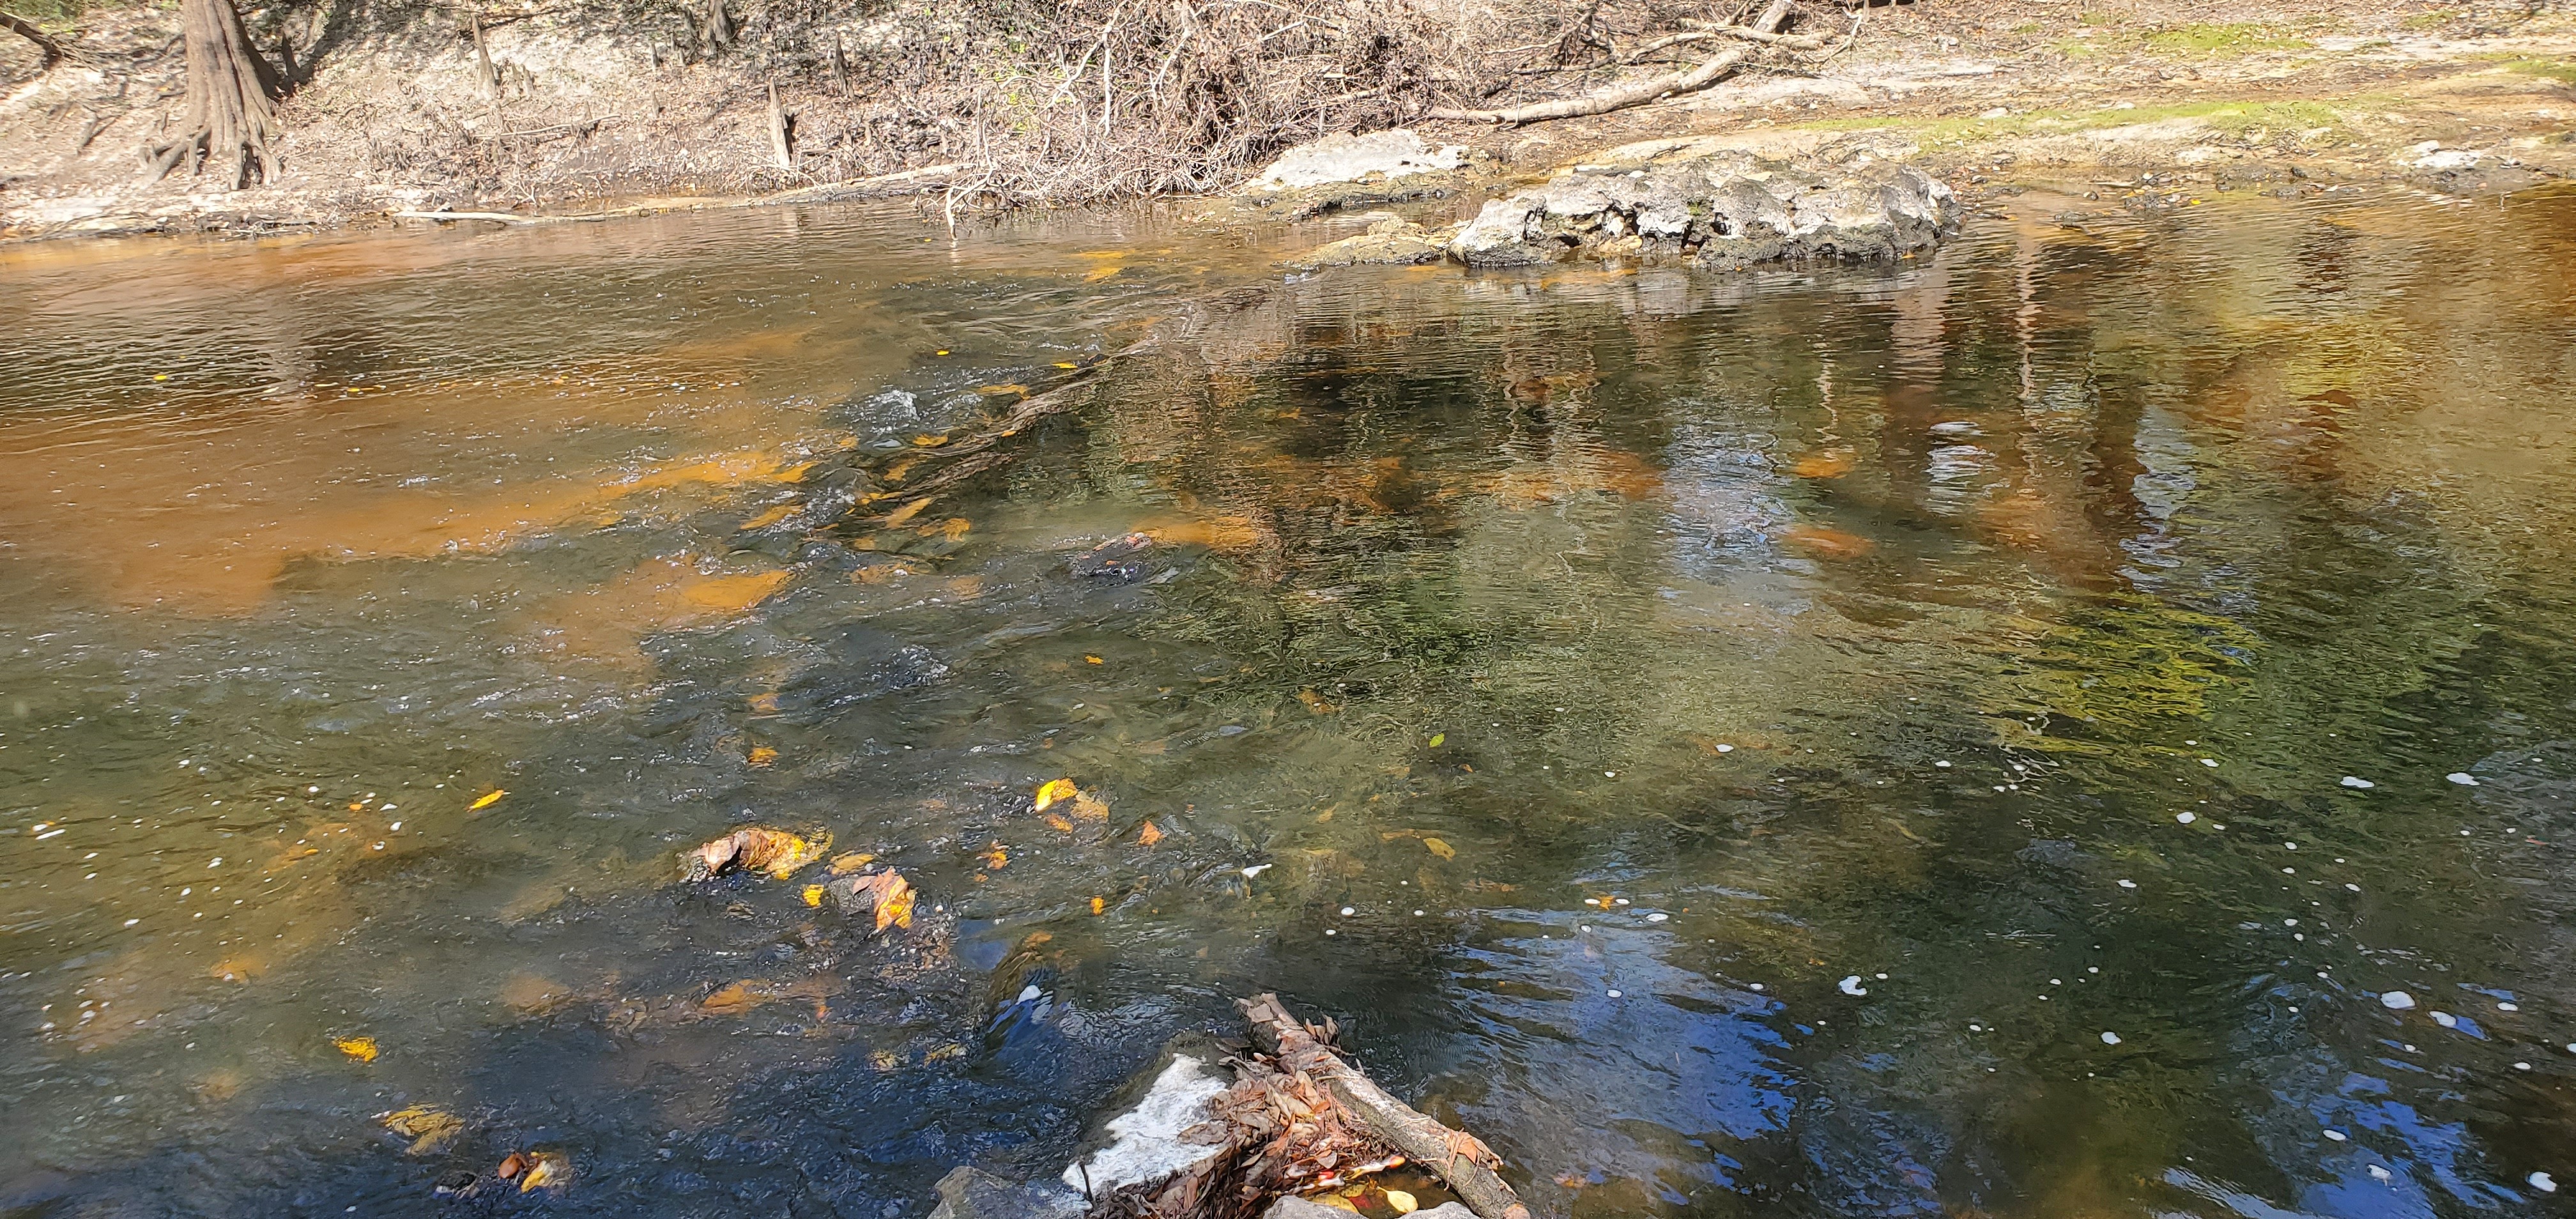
column 734, row 997
column 1824, row 463
column 1441, row 849
column 1823, row 543
column 1057, row 822
column 843, row 865
column 1149, row 835
column 1314, row 702
column 996, row 859
column 885, row 895
column 758, row 849
column 1089, row 807
column 762, row 755
column 511, row 1166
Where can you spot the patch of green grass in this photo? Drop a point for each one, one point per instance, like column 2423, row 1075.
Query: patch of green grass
column 2561, row 70
column 2223, row 38
column 2429, row 19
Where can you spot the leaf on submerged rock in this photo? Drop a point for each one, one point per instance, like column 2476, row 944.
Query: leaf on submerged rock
column 885, row 896
column 1440, row 848
column 1055, row 791
column 762, row 755
column 428, row 1129
column 843, row 865
column 364, row 1049
column 1149, row 835
column 1089, row 807
column 1056, row 822
column 757, row 849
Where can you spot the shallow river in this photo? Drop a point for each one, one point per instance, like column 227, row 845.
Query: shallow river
column 1989, row 736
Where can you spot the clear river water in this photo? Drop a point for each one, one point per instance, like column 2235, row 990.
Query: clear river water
column 2080, row 725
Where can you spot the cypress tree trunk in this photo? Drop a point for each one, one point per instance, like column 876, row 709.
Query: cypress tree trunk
column 232, row 101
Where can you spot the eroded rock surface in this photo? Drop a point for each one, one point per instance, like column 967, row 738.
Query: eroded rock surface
column 1726, row 210
column 1351, row 158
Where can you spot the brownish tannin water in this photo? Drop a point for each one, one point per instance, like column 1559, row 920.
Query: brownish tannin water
column 1984, row 736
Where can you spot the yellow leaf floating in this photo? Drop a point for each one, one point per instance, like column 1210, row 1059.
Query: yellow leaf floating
column 1441, row 849
column 1438, row 737
column 813, row 895
column 1093, row 660
column 364, row 1049
column 487, row 800
column 1401, row 1202
column 1053, row 791
column 428, row 1129
column 550, row 1169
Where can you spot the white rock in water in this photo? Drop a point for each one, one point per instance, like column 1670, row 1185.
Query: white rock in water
column 2463, row 778
column 1852, row 986
column 2396, row 1000
column 2360, row 783
column 2378, row 1173
column 2543, row 1182
column 1146, row 1140
column 2446, row 1020
column 1349, row 158
column 1027, row 993
column 2186, row 818
column 2336, row 1135
column 2110, row 1038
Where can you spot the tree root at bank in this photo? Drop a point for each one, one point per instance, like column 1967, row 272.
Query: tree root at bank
column 1302, row 1118
column 232, row 102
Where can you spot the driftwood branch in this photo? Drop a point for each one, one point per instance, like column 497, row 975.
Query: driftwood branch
column 46, row 45
column 1462, row 1161
column 1636, row 93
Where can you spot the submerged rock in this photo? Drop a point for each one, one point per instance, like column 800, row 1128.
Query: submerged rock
column 1390, row 241
column 1726, row 210
column 1148, row 1141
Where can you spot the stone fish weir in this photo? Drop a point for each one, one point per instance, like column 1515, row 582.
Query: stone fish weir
column 1720, row 210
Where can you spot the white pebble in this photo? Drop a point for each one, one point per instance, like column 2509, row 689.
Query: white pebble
column 1417, row 914
column 2463, row 778
column 2396, row 1000
column 2446, row 1020
column 2209, row 761
column 2336, row 1135
column 1330, row 931
column 1614, row 994
column 1256, row 870
column 1852, row 986
column 2349, row 885
column 1726, row 749
column 2358, row 784
column 2378, row 1173
column 2508, row 1007
column 1027, row 993
column 2522, row 1066
column 2289, row 846
column 2186, row 818
column 1609, row 774
column 1943, row 764
column 2110, row 1038
column 2128, row 884
column 1348, row 911
column 2541, row 1181
column 1657, row 917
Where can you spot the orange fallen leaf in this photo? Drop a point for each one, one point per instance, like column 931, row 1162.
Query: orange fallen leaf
column 1089, row 807
column 1057, row 822
column 1054, row 790
column 1093, row 660
column 885, row 893
column 763, row 755
column 1098, row 905
column 908, row 511
column 996, row 859
column 759, row 849
column 364, row 1049
column 1149, row 835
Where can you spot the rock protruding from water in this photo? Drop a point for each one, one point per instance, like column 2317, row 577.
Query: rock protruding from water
column 1729, row 210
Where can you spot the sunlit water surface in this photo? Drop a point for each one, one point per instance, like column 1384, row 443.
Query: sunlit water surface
column 1978, row 737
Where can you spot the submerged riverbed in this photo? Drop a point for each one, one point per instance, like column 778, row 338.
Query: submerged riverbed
column 1983, row 736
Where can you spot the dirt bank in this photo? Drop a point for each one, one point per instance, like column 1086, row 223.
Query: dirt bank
column 2159, row 99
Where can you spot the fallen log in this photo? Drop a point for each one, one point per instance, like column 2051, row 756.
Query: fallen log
column 1638, row 93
